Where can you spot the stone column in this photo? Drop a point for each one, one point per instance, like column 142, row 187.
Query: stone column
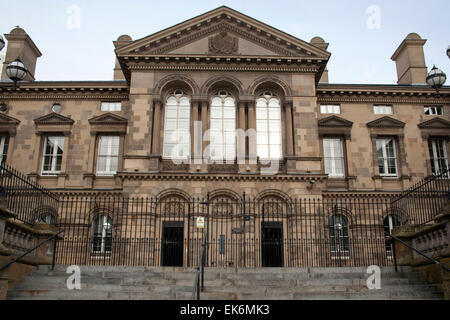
column 288, row 126
column 205, row 139
column 156, row 129
column 251, row 125
column 241, row 148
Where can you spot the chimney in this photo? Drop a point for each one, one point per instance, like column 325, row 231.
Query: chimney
column 410, row 60
column 120, row 42
column 321, row 44
column 21, row 46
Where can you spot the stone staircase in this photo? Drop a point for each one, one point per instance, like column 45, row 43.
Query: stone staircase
column 115, row 282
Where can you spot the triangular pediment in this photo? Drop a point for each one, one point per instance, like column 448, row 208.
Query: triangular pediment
column 334, row 121
column 435, row 123
column 53, row 118
column 5, row 119
column 108, row 119
column 222, row 31
column 386, row 122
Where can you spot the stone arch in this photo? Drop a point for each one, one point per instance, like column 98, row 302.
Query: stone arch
column 273, row 193
column 175, row 81
column 173, row 192
column 226, row 82
column 270, row 83
column 173, row 202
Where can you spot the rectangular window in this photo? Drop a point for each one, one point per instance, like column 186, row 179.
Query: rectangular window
column 387, row 161
column 4, row 143
column 335, row 109
column 333, row 158
column 438, row 156
column 433, row 110
column 268, row 134
column 382, row 110
column 111, row 106
column 108, row 155
column 53, row 153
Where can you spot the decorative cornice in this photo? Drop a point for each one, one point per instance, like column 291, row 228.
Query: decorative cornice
column 334, row 121
column 7, row 120
column 385, row 122
column 53, row 119
column 219, row 177
column 108, row 119
column 67, row 90
column 372, row 93
column 435, row 123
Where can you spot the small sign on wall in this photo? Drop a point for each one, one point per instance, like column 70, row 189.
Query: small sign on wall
column 200, row 222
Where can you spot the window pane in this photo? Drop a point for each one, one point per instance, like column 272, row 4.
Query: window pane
column 261, row 113
column 263, row 151
column 216, row 112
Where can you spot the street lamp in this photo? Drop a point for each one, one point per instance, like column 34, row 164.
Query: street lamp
column 2, row 42
column 436, row 79
column 16, row 71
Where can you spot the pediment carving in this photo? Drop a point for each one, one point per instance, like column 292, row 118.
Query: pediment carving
column 108, row 119
column 53, row 119
column 223, row 43
column 334, row 121
column 386, row 122
column 222, row 30
column 435, row 123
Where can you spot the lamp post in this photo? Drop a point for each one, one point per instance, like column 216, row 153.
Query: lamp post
column 436, row 79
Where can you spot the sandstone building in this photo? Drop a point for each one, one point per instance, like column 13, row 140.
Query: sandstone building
column 165, row 126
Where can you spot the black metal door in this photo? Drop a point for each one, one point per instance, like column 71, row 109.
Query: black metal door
column 172, row 244
column 272, row 244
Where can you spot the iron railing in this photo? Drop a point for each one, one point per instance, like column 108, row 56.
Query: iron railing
column 199, row 282
column 28, row 200
column 268, row 232
column 424, row 200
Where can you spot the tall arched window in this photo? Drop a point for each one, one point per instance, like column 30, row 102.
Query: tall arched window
column 223, row 126
column 339, row 240
column 176, row 126
column 268, row 126
column 102, row 234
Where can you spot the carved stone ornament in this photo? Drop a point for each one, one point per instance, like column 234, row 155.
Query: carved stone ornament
column 222, row 43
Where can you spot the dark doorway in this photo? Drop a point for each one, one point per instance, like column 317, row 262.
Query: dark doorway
column 272, row 244
column 172, row 244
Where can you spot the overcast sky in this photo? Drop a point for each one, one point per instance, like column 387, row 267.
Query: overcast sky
column 363, row 34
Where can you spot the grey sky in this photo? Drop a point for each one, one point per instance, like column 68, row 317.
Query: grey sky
column 360, row 53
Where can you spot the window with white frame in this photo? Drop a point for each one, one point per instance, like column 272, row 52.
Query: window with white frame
column 268, row 126
column 223, row 127
column 330, row 108
column 433, row 110
column 53, row 153
column 333, row 157
column 4, row 143
column 111, row 106
column 438, row 155
column 102, row 234
column 387, row 159
column 389, row 223
column 382, row 109
column 108, row 155
column 177, row 139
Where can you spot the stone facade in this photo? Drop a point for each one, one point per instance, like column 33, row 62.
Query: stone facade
column 224, row 50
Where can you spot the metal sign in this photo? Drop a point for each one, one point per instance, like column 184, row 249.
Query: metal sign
column 200, row 222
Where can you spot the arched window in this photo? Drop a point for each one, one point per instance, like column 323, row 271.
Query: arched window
column 102, row 234
column 268, row 126
column 389, row 223
column 223, row 126
column 47, row 218
column 176, row 126
column 339, row 240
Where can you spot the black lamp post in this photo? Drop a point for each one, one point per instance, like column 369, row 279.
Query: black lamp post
column 436, row 79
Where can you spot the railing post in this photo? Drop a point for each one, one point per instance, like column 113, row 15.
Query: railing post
column 54, row 253
column 198, row 285
column 203, row 263
column 394, row 254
